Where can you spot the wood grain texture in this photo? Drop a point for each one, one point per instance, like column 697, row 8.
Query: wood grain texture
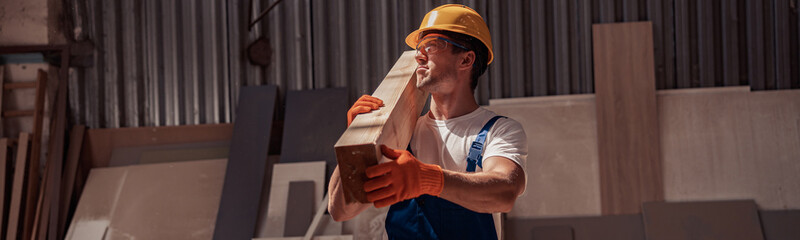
column 20, row 172
column 627, row 117
column 391, row 125
column 36, row 151
column 733, row 220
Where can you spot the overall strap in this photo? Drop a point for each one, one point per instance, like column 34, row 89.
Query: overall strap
column 475, row 156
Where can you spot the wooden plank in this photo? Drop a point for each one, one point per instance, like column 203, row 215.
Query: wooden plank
column 314, row 121
column 2, row 123
column 4, row 169
column 299, row 208
column 18, row 85
column 56, row 159
column 734, row 220
column 627, row 117
column 70, row 171
column 100, row 143
column 238, row 209
column 18, row 113
column 283, row 175
column 36, row 151
column 391, row 125
column 20, row 170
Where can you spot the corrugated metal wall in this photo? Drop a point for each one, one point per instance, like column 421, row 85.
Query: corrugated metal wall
column 177, row 62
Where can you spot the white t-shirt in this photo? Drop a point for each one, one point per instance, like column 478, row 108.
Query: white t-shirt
column 447, row 142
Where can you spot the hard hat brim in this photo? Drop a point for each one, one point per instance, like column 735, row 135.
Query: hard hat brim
column 413, row 38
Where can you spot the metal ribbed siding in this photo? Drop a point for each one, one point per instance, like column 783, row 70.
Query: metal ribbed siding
column 178, row 62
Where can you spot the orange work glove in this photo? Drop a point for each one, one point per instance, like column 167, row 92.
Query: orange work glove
column 403, row 178
column 364, row 104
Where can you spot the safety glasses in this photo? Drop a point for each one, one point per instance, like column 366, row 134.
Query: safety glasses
column 434, row 43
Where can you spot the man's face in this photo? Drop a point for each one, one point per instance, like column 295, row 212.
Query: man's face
column 437, row 68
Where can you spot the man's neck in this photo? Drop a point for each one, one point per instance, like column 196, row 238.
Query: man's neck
column 451, row 105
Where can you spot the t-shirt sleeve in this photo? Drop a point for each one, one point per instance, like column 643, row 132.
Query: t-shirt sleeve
column 508, row 140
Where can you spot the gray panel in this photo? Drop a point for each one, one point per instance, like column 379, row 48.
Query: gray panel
column 618, row 227
column 299, row 208
column 780, row 224
column 314, row 121
column 244, row 176
column 702, row 220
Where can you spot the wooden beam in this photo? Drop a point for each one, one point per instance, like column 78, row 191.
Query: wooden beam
column 627, row 117
column 3, row 171
column 18, row 85
column 20, row 170
column 392, row 125
column 70, row 171
column 56, row 159
column 36, row 145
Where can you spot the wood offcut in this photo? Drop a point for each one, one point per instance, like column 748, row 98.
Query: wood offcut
column 391, row 125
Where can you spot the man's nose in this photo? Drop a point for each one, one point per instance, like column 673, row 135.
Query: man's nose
column 421, row 57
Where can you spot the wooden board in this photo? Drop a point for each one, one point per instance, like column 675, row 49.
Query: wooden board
column 238, row 209
column 34, row 184
column 20, row 171
column 618, row 227
column 70, row 171
column 56, row 158
column 392, row 125
column 176, row 200
column 314, row 121
column 730, row 220
column 283, row 174
column 100, row 143
column 4, row 169
column 563, row 179
column 299, row 208
column 627, row 117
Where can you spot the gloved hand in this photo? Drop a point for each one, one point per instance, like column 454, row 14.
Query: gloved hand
column 364, row 104
column 403, row 178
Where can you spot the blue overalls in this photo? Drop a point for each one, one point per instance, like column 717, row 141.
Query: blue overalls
column 429, row 217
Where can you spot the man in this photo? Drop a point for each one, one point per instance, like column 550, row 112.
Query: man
column 466, row 162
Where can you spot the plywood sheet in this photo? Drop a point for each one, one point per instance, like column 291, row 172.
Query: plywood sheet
column 282, row 175
column 15, row 208
column 627, row 117
column 617, row 227
column 731, row 143
column 314, row 120
column 730, row 220
column 562, row 168
column 175, row 200
column 169, row 201
column 238, row 209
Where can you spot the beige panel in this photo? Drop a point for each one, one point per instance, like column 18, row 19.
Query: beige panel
column 151, row 201
column 723, row 144
column 562, row 168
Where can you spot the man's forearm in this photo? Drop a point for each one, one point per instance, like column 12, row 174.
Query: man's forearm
column 486, row 192
column 339, row 209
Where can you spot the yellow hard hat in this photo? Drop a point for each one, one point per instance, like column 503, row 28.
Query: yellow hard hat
column 454, row 18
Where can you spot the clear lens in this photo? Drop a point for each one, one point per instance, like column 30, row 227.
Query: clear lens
column 431, row 45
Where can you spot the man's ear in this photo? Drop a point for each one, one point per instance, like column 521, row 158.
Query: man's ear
column 467, row 59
